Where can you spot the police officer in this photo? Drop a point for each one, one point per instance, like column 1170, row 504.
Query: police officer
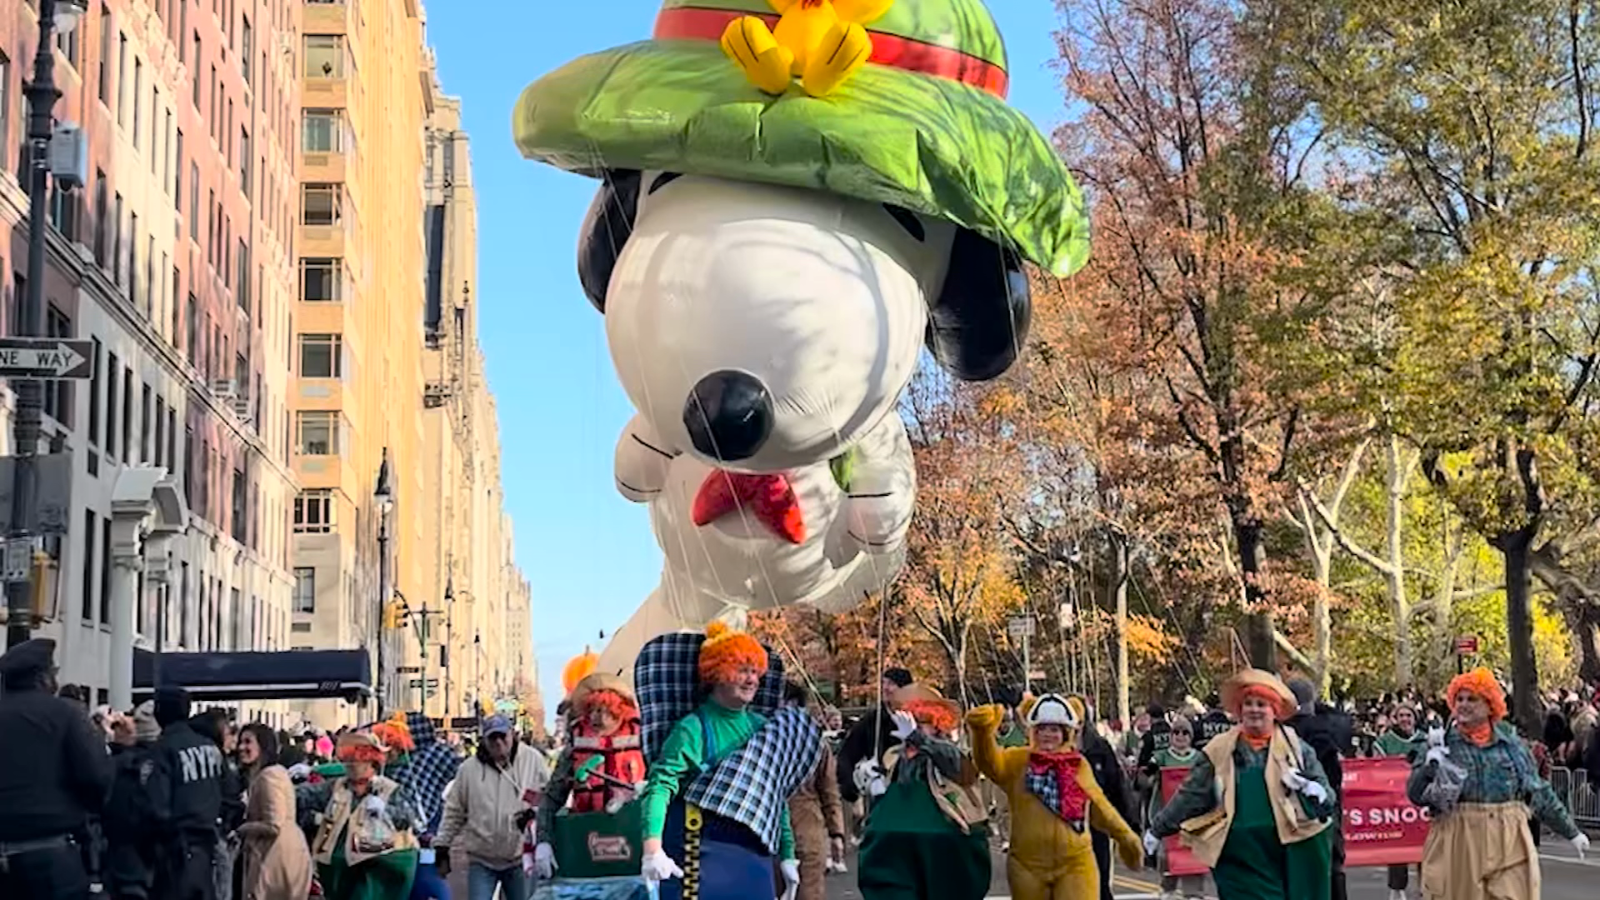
column 54, row 773
column 186, row 798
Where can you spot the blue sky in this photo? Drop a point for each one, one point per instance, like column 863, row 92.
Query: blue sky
column 588, row 553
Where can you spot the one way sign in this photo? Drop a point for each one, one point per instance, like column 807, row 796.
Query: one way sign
column 45, row 358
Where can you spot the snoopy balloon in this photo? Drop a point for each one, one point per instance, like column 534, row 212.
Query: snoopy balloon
column 797, row 197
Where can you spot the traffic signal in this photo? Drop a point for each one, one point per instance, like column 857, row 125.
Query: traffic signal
column 394, row 613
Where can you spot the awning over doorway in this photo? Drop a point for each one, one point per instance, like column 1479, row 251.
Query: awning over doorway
column 283, row 675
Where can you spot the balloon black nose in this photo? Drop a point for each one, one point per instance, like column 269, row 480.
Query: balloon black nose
column 729, row 415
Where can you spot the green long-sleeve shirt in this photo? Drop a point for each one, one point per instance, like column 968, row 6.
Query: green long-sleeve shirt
column 1198, row 794
column 1393, row 743
column 684, row 754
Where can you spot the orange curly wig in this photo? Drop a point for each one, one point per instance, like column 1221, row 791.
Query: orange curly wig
column 929, row 712
column 395, row 734
column 618, row 706
column 1481, row 682
column 725, row 651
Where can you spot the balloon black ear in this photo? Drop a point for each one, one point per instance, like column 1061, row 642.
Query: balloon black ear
column 606, row 228
column 980, row 320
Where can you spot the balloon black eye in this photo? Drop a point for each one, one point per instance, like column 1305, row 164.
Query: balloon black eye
column 909, row 221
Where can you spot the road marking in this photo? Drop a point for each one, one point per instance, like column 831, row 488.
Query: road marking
column 1593, row 864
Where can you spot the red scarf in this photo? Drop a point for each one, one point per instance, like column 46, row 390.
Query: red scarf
column 1064, row 766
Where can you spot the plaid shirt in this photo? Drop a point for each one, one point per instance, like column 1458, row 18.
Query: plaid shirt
column 666, row 678
column 752, row 785
column 1502, row 771
column 427, row 772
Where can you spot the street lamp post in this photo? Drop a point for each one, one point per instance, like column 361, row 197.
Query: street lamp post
column 42, row 95
column 384, row 499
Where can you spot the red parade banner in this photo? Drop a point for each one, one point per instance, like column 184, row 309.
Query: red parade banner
column 1381, row 827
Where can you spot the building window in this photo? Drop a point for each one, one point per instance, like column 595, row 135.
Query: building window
column 127, row 412
column 244, row 162
column 138, row 89
column 116, row 240
column 317, row 433
column 105, row 54
column 161, row 431
column 244, row 49
column 177, row 173
column 196, row 97
column 94, row 395
column 68, row 45
column 144, row 424
column 111, row 404
column 102, row 215
column 105, row 570
column 192, row 344
column 58, row 394
column 321, row 204
column 241, row 287
column 321, row 356
column 305, row 590
column 5, row 109
column 322, row 131
column 90, row 532
column 240, row 513
column 63, row 211
column 122, row 79
column 321, row 279
column 313, row 512
column 184, row 604
column 324, row 56
column 194, row 201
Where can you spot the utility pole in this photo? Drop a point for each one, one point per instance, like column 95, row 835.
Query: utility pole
column 42, row 95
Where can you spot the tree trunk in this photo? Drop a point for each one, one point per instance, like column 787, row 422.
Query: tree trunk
column 1399, row 603
column 1119, row 582
column 1258, row 627
column 1519, row 626
column 1583, row 620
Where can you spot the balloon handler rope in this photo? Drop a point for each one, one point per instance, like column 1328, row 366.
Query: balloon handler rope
column 692, row 822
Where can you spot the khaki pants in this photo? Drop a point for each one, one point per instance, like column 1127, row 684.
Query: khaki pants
column 1481, row 851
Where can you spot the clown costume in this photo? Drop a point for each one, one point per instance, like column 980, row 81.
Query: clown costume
column 1054, row 801
column 602, row 767
column 716, row 796
column 1478, row 783
column 927, row 834
column 364, row 847
column 1256, row 807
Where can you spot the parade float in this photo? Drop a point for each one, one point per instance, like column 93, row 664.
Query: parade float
column 796, row 198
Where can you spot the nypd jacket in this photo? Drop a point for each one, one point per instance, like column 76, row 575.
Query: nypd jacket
column 187, row 783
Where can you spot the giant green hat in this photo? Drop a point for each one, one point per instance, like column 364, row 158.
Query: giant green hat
column 924, row 125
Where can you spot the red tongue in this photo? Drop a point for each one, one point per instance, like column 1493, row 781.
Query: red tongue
column 768, row 497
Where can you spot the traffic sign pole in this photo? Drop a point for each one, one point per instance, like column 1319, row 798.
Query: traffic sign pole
column 42, row 96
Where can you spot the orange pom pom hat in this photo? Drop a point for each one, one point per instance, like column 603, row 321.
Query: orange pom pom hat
column 929, row 707
column 361, row 746
column 725, row 651
column 577, row 669
column 1481, row 682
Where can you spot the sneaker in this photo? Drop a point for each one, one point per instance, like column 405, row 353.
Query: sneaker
column 1396, row 894
column 1169, row 895
column 1005, row 846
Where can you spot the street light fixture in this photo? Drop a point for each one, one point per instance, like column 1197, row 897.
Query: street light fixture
column 383, row 498
column 67, row 14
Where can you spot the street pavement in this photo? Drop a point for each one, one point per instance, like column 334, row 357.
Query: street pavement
column 1565, row 878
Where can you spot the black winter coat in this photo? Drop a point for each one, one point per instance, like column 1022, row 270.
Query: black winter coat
column 54, row 768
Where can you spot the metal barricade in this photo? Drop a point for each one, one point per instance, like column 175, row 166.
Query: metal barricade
column 1581, row 797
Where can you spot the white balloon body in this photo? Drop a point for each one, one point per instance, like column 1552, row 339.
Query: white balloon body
column 823, row 299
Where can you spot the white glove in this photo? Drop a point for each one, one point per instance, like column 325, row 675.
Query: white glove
column 658, row 867
column 1315, row 791
column 374, row 805
column 904, row 725
column 864, row 772
column 1152, row 844
column 299, row 772
column 791, row 877
column 1294, row 781
column 1581, row 844
column 1437, row 754
column 544, row 862
column 1435, row 737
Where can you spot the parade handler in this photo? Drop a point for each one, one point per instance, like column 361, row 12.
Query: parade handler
column 1477, row 782
column 601, row 767
column 1054, row 801
column 927, row 834
column 718, row 790
column 1256, row 807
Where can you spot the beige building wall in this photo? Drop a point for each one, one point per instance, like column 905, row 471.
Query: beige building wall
column 357, row 327
column 481, row 648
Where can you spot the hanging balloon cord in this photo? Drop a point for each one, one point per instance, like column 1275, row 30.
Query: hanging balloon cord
column 692, row 822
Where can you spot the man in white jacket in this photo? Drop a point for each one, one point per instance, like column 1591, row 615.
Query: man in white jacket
column 493, row 795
